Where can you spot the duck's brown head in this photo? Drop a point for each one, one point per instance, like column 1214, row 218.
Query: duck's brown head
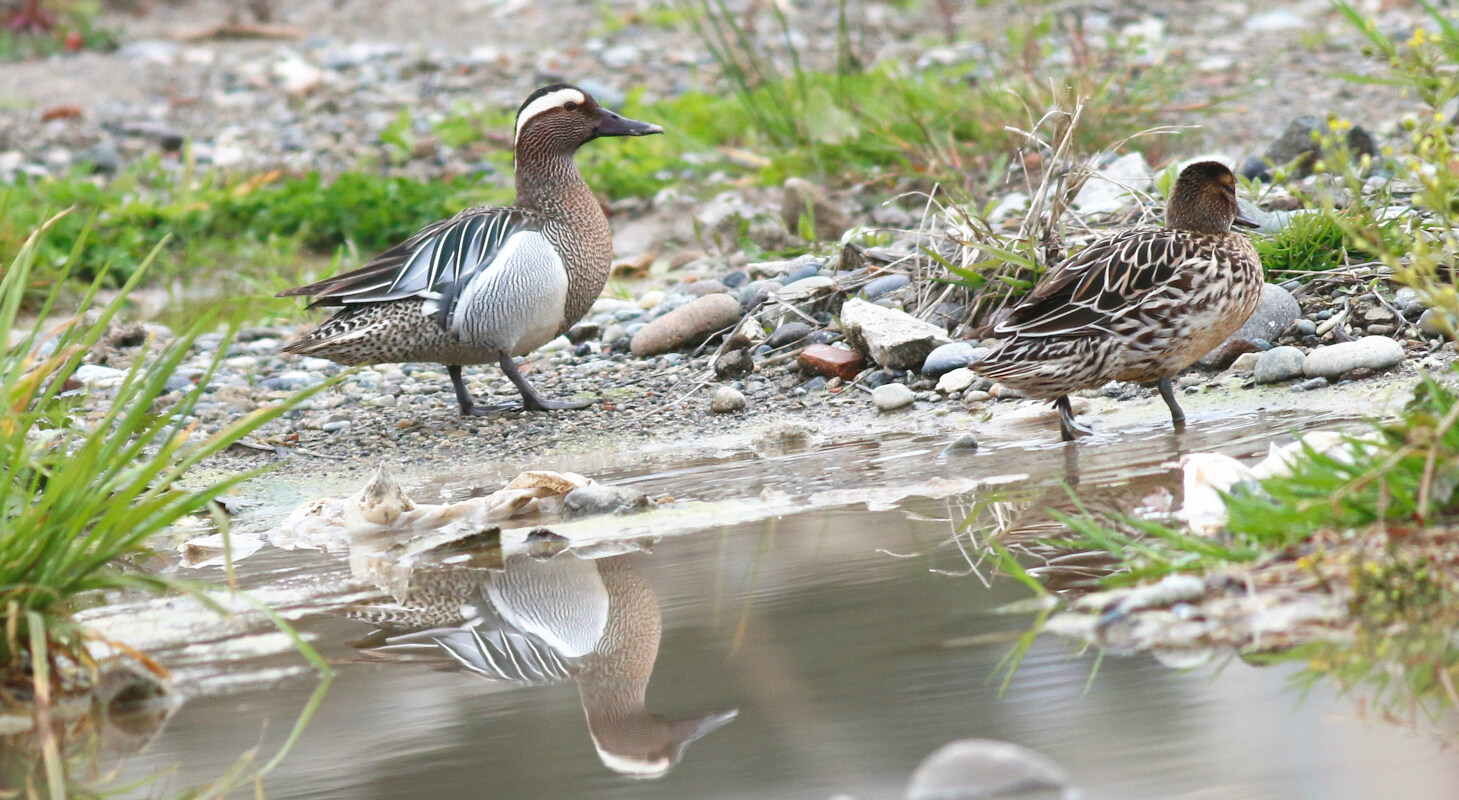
column 560, row 118
column 1204, row 200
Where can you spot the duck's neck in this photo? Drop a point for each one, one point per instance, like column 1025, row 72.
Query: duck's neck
column 552, row 185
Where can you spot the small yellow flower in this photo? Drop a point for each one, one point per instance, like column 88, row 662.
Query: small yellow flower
column 1419, row 37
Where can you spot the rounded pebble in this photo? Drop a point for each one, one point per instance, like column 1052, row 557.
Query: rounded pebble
column 687, row 325
column 1369, row 352
column 892, row 396
column 1279, row 364
column 727, row 400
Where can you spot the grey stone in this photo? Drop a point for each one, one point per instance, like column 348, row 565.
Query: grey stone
column 102, row 156
column 949, row 357
column 756, row 292
column 687, row 325
column 1275, row 312
column 800, row 273
column 1369, row 352
column 965, row 443
column 734, row 364
column 603, row 499
column 1108, row 190
column 892, row 396
column 892, row 338
column 1267, row 222
column 789, row 333
column 1310, row 384
column 1306, row 327
column 335, row 426
column 727, row 400
column 885, row 285
column 1279, row 364
column 1433, row 323
column 1298, row 145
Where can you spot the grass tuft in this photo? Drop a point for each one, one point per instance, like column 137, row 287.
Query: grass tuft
column 81, row 498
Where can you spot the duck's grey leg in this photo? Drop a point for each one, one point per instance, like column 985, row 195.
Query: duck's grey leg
column 1069, row 427
column 532, row 401
column 468, row 408
column 1177, row 416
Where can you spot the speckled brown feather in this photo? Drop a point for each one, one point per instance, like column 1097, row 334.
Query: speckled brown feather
column 1139, row 305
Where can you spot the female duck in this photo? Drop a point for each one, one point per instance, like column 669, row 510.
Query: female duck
column 1140, row 305
column 489, row 283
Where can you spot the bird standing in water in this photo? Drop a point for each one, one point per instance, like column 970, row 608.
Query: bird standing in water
column 489, row 283
column 1140, row 305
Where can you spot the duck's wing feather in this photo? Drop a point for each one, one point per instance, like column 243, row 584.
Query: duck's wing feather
column 1099, row 284
column 434, row 263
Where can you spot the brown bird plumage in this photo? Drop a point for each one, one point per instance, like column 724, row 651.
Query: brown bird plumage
column 1139, row 305
column 489, row 283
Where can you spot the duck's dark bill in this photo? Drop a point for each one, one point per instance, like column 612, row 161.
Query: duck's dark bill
column 1244, row 221
column 613, row 124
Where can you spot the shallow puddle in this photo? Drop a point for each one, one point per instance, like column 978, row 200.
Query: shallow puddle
column 817, row 640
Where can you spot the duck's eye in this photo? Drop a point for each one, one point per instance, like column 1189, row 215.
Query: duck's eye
column 570, row 105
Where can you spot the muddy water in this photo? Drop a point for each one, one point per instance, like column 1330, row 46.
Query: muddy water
column 814, row 654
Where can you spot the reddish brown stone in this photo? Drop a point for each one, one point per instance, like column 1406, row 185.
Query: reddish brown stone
column 833, row 362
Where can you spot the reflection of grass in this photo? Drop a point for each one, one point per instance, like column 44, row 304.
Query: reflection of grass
column 1400, row 648
column 81, row 498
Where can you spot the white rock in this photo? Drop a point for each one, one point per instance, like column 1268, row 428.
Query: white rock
column 956, row 380
column 608, row 305
column 1277, row 20
column 806, row 288
column 297, row 76
column 95, row 376
column 1108, row 190
column 1369, row 352
column 651, row 299
column 1245, row 362
column 892, row 396
column 727, row 400
column 893, row 339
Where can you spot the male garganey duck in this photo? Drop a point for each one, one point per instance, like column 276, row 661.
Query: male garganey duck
column 489, row 283
column 1140, row 305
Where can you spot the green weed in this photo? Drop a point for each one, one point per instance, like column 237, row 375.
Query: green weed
column 1421, row 246
column 81, row 498
column 75, row 30
column 214, row 216
column 1311, row 243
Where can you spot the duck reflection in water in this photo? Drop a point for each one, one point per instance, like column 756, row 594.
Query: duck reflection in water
column 536, row 622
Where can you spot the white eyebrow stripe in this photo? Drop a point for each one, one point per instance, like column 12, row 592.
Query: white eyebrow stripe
column 548, row 101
